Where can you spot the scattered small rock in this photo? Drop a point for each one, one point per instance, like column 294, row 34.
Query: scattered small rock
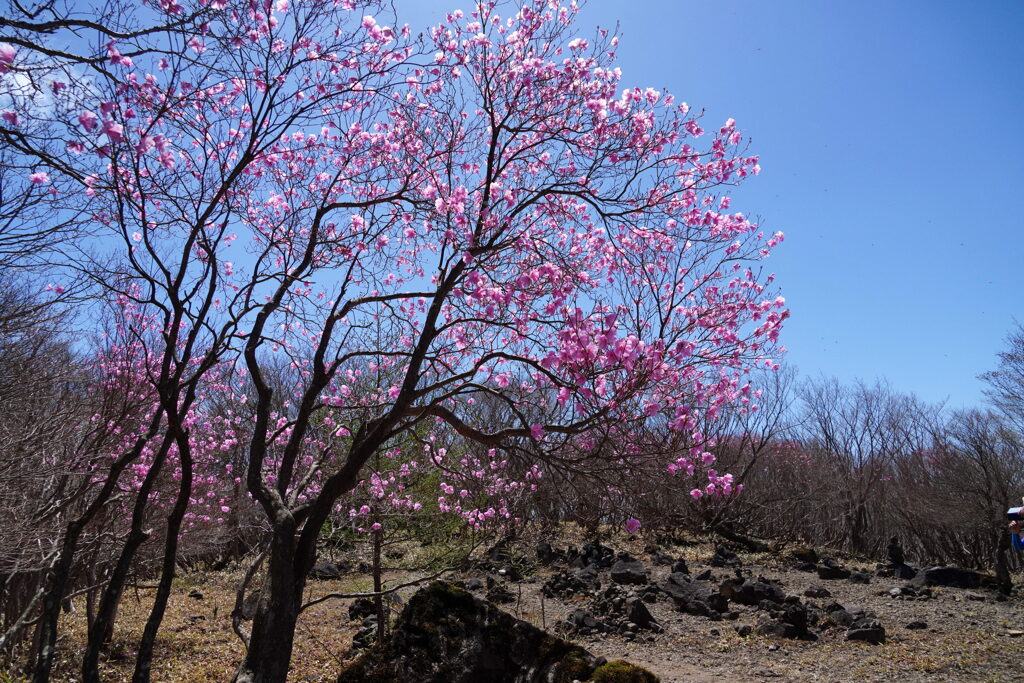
column 804, row 555
column 568, row 583
column 917, row 625
column 694, row 597
column 594, row 553
column 751, row 591
column 366, row 635
column 500, row 595
column 325, row 571
column 545, row 553
column 785, row 621
column 637, row 612
column 904, row 571
column 659, row 556
column 361, row 608
column 830, row 570
column 724, row 557
column 583, row 620
column 868, row 630
column 860, row 577
column 629, row 571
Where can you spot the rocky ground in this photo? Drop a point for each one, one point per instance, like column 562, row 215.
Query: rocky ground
column 687, row 612
column 728, row 616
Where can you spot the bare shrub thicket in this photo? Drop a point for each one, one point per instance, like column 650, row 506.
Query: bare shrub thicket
column 848, row 467
column 852, row 467
column 57, row 415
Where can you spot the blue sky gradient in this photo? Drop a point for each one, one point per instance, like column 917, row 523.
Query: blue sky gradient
column 892, row 151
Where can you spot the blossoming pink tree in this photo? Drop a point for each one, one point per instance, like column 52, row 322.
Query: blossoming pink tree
column 485, row 218
column 530, row 233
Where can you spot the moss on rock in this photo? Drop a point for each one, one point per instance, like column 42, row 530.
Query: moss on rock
column 621, row 671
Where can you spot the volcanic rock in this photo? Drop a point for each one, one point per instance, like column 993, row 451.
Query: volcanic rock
column 629, row 571
column 445, row 634
column 947, row 576
column 694, row 597
column 831, row 570
column 867, row 629
column 751, row 591
column 594, row 553
column 361, row 608
column 724, row 557
column 325, row 571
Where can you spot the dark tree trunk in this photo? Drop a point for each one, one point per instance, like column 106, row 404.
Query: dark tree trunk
column 52, row 601
column 144, row 659
column 62, row 569
column 378, row 585
column 1003, row 579
column 273, row 626
column 103, row 627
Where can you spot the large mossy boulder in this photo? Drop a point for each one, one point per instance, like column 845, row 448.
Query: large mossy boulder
column 445, row 634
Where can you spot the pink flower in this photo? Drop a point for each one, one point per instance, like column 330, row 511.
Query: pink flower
column 88, row 120
column 116, row 57
column 57, row 86
column 7, row 55
column 697, row 494
column 114, row 131
column 537, row 432
column 632, row 526
column 39, row 178
column 11, row 117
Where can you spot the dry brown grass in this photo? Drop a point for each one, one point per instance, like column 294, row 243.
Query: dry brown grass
column 196, row 643
column 965, row 641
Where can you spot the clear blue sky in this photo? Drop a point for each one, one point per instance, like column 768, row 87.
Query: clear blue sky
column 891, row 136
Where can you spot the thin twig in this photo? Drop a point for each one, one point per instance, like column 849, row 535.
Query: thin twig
column 374, row 594
column 236, row 613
